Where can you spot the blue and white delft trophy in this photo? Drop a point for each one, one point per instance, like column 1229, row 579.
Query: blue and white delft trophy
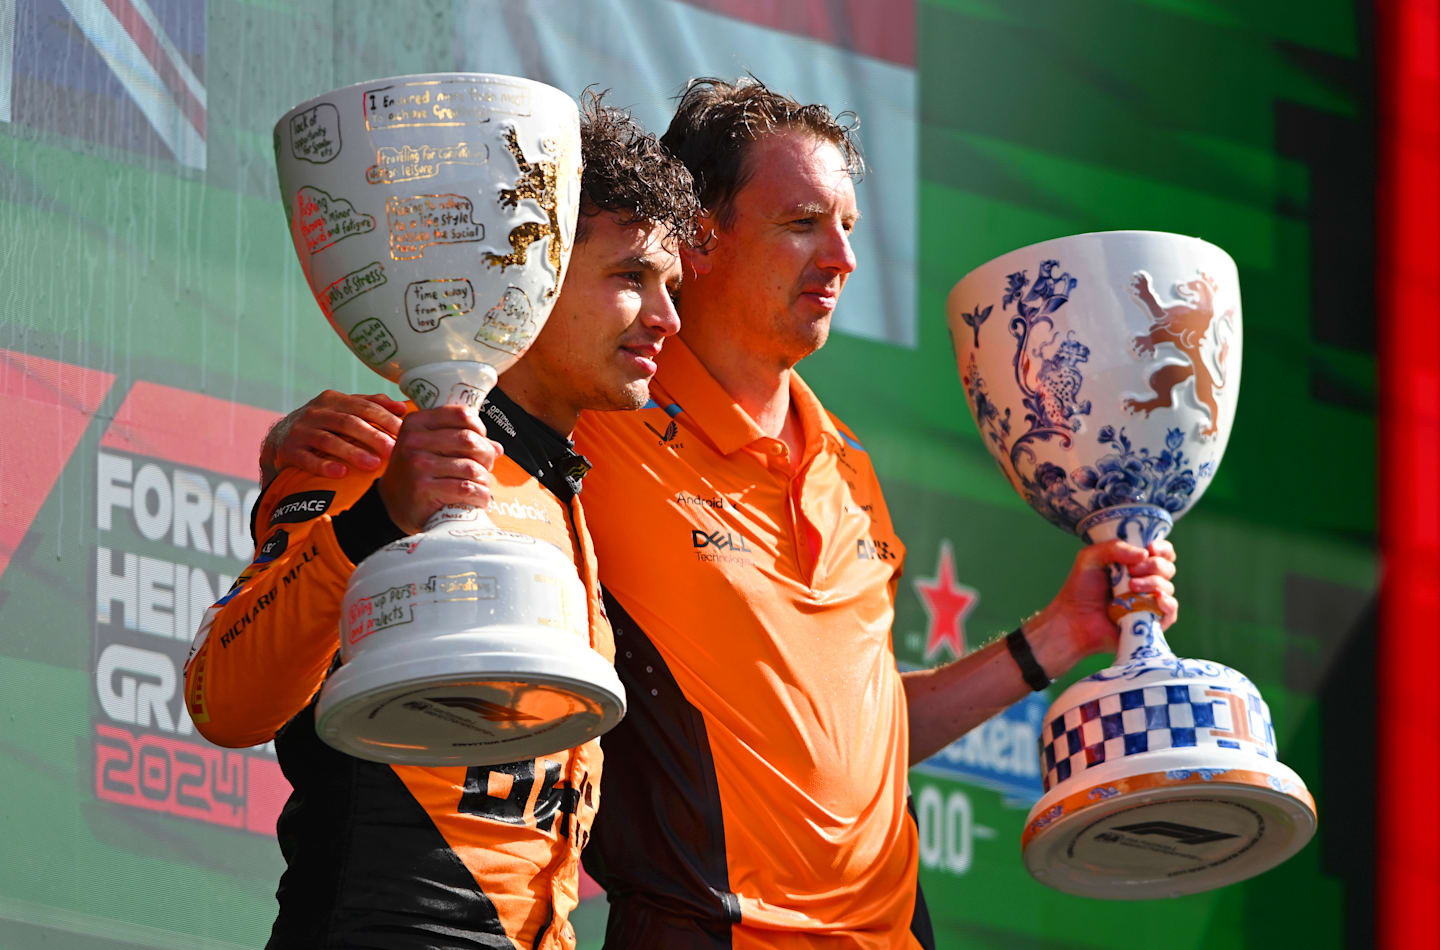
column 433, row 216
column 1102, row 371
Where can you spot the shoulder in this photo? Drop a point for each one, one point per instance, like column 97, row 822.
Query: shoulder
column 596, row 428
column 853, row 456
column 847, row 435
column 296, row 496
column 622, row 439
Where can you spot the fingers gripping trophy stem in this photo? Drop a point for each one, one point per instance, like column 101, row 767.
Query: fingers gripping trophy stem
column 1137, row 615
column 451, row 383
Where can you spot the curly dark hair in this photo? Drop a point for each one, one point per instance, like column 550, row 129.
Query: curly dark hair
column 716, row 122
column 628, row 173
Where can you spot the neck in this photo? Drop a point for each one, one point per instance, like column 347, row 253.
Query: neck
column 758, row 384
column 531, row 394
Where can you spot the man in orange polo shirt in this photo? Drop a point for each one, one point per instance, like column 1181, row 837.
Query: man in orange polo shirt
column 755, row 793
column 769, row 733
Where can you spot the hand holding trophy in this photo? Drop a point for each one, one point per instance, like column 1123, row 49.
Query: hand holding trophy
column 433, row 216
column 1102, row 371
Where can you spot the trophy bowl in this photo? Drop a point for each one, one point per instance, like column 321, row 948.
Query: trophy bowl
column 433, row 216
column 1102, row 371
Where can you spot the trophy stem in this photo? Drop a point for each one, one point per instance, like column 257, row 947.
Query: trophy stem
column 451, row 383
column 1136, row 615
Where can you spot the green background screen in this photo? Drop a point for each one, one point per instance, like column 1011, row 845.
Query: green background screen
column 155, row 321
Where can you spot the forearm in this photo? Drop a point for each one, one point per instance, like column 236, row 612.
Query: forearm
column 946, row 702
column 261, row 655
column 265, row 648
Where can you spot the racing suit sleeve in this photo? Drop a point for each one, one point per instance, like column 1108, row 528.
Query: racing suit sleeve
column 263, row 650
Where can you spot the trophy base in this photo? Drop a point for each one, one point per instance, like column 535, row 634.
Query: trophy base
column 1166, row 833
column 470, row 698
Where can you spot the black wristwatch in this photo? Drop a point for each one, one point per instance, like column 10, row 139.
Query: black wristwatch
column 1030, row 669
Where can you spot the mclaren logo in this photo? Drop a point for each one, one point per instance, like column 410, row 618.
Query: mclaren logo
column 667, row 437
column 494, row 712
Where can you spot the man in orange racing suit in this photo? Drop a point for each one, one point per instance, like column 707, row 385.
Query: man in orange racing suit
column 400, row 857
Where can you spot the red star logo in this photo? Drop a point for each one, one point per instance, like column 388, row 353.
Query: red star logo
column 947, row 602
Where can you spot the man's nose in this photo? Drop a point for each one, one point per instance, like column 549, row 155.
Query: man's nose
column 836, row 255
column 662, row 315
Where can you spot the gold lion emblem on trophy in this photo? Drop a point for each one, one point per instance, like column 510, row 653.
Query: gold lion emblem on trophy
column 538, row 182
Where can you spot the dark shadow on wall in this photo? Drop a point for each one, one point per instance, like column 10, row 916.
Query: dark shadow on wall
column 1341, row 623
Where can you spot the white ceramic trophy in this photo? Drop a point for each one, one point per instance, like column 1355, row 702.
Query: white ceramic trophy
column 1103, row 370
column 433, row 216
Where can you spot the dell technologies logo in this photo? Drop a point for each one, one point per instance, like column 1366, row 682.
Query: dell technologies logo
column 725, row 546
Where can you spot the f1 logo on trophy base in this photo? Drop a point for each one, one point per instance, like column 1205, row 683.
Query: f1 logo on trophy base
column 434, row 216
column 1102, row 371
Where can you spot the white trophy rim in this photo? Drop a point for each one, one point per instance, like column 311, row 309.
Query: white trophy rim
column 1033, row 248
column 326, row 96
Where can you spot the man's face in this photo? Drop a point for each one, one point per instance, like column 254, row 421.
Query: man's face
column 598, row 348
column 781, row 263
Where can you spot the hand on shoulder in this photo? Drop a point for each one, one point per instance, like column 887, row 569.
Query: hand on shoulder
column 331, row 433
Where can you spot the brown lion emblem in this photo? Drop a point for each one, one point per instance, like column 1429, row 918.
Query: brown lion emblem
column 1185, row 325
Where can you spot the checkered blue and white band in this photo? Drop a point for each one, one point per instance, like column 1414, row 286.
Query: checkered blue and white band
column 1151, row 718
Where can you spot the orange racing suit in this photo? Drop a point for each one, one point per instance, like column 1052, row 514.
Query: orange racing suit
column 397, row 857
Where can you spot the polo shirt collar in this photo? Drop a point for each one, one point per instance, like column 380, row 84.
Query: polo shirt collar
column 699, row 395
column 813, row 418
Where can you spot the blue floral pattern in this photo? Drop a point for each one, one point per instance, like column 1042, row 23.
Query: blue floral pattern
column 1125, row 476
column 1047, row 818
column 1205, row 775
column 1170, row 665
column 994, row 423
column 1162, row 476
column 973, row 320
column 1131, row 476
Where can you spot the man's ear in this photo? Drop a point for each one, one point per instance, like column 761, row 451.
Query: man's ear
column 696, row 259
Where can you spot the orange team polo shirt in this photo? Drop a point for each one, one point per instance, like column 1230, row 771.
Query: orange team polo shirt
column 759, row 778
